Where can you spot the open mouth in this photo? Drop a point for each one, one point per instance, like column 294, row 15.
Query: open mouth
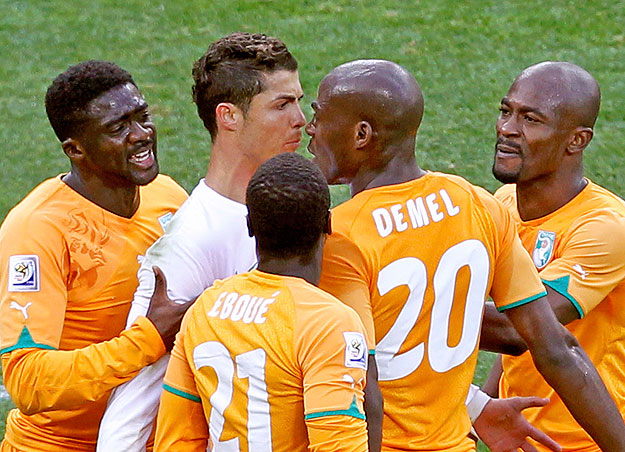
column 143, row 158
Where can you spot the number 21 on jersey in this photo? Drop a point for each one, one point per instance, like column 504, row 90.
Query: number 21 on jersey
column 250, row 365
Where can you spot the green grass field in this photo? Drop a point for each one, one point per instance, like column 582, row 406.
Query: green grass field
column 464, row 54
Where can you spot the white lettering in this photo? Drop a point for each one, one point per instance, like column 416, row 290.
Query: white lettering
column 449, row 204
column 239, row 307
column 383, row 221
column 433, row 208
column 417, row 213
column 226, row 310
column 215, row 311
column 252, row 309
column 398, row 216
column 262, row 310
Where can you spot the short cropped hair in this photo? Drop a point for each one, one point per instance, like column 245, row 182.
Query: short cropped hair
column 70, row 93
column 288, row 201
column 232, row 71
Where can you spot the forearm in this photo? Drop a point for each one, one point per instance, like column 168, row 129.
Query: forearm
column 41, row 380
column 491, row 385
column 374, row 407
column 575, row 379
column 172, row 435
column 337, row 434
column 131, row 411
column 498, row 334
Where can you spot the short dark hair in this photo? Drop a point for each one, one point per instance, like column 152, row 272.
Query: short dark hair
column 232, row 70
column 288, row 201
column 70, row 92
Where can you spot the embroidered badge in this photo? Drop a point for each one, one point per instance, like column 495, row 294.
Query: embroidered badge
column 24, row 273
column 355, row 350
column 543, row 250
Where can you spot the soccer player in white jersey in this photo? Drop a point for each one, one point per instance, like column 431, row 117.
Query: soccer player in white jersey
column 247, row 92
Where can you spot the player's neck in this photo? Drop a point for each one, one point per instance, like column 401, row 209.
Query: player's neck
column 119, row 198
column 291, row 267
column 401, row 168
column 542, row 196
column 229, row 172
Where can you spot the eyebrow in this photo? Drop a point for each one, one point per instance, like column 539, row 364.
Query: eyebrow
column 288, row 97
column 524, row 109
column 141, row 107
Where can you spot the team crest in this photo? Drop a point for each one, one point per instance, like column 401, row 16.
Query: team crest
column 24, row 273
column 543, row 250
column 355, row 350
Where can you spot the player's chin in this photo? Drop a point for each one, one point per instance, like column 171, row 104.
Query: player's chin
column 291, row 146
column 146, row 176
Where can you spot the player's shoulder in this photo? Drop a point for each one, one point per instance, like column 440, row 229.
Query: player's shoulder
column 601, row 197
column 164, row 190
column 314, row 305
column 44, row 205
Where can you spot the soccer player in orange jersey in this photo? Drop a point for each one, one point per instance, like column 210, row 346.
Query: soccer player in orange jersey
column 573, row 229
column 417, row 253
column 69, row 254
column 265, row 361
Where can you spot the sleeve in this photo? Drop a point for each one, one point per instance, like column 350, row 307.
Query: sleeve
column 41, row 380
column 33, row 283
column 515, row 279
column 331, row 350
column 591, row 261
column 344, row 275
column 336, row 433
column 132, row 407
column 180, row 400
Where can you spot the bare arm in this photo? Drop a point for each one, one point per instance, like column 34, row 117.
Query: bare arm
column 500, row 336
column 491, row 385
column 565, row 366
column 374, row 406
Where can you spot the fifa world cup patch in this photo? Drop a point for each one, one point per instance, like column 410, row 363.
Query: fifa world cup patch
column 24, row 273
column 543, row 249
column 355, row 350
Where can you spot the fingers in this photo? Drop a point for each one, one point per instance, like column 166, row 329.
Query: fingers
column 521, row 403
column 527, row 447
column 160, row 282
column 543, row 439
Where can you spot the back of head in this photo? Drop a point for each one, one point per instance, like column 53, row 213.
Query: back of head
column 288, row 201
column 232, row 71
column 381, row 92
column 70, row 93
column 574, row 92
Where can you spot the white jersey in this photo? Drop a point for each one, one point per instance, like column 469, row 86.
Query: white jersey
column 206, row 240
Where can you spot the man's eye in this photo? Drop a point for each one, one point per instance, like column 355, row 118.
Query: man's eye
column 116, row 128
column 531, row 119
column 503, row 111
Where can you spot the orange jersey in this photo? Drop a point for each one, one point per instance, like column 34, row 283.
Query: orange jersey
column 579, row 251
column 69, row 274
column 424, row 256
column 277, row 365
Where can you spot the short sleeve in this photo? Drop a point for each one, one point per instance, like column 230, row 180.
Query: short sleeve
column 179, row 378
column 344, row 275
column 332, row 352
column 515, row 279
column 591, row 261
column 33, row 283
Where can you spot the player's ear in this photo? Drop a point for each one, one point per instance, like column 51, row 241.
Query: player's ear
column 363, row 134
column 73, row 149
column 228, row 116
column 328, row 227
column 250, row 230
column 580, row 139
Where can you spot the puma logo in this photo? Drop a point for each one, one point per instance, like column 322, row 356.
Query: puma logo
column 22, row 309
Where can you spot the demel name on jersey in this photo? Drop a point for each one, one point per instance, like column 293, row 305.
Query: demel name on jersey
column 421, row 211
